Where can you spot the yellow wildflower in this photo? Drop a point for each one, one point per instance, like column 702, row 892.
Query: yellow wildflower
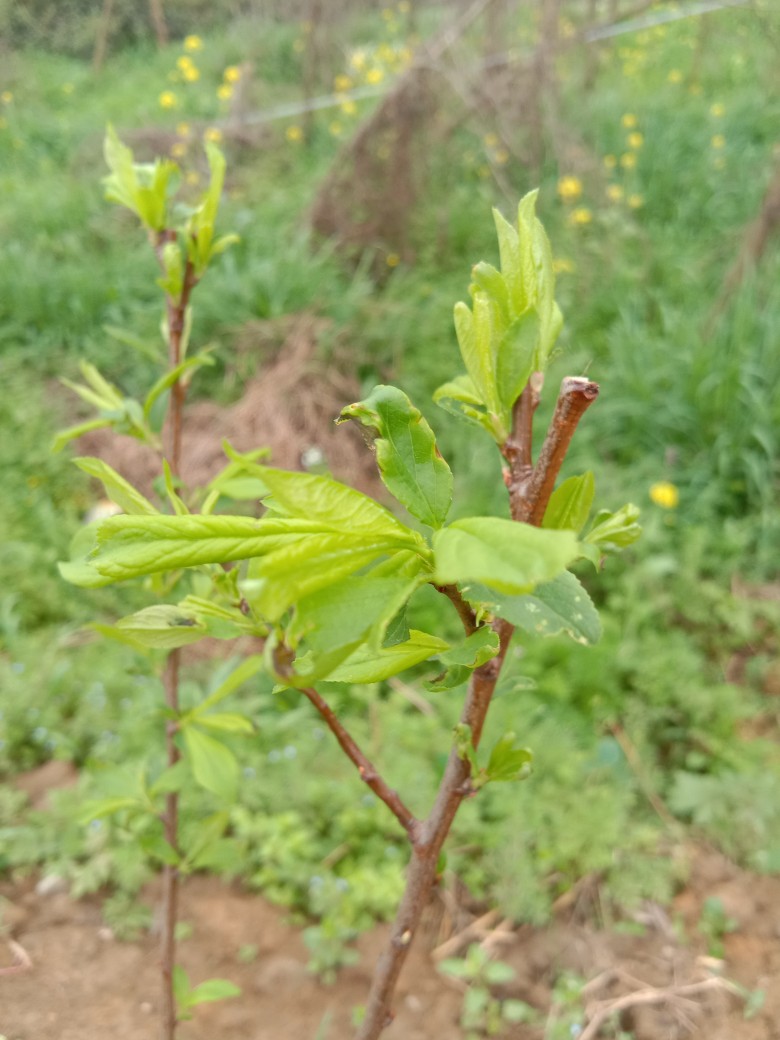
column 628, row 160
column 232, row 74
column 6, row 97
column 179, row 150
column 349, row 108
column 569, row 188
column 193, row 43
column 167, row 99
column 628, row 121
column 336, row 128
column 614, row 192
column 392, row 259
column 192, row 178
column 675, row 76
column 342, row 82
column 665, row 495
column 610, row 162
column 563, row 266
column 184, row 62
column 293, row 133
column 635, row 140
column 183, row 129
column 213, row 134
column 191, row 74
column 357, row 60
column 636, row 201
column 718, row 141
column 501, row 157
column 224, row 92
column 387, row 14
column 580, row 216
column 374, row 76
column 717, row 110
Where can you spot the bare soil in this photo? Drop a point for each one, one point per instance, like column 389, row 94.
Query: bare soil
column 83, row 984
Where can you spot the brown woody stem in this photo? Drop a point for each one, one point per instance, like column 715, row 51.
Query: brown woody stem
column 176, row 311
column 465, row 612
column 528, row 497
column 368, row 772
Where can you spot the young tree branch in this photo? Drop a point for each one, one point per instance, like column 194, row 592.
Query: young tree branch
column 368, row 772
column 465, row 612
column 528, row 497
column 529, row 492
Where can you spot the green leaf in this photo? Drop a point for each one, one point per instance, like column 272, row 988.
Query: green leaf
column 200, row 228
column 155, row 846
column 172, row 261
column 502, row 554
column 200, row 834
column 245, row 671
column 141, row 188
column 334, row 505
column 213, row 989
column 181, row 992
column 612, row 532
column 162, row 627
column 214, row 766
column 129, row 339
column 508, row 762
column 99, row 807
column 561, row 605
column 344, row 612
column 367, row 666
column 225, row 722
column 281, row 579
column 174, row 375
column 459, row 397
column 72, row 432
column 516, row 358
column 461, row 660
column 117, row 488
column 569, row 505
column 406, row 453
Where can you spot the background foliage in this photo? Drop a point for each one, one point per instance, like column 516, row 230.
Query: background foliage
column 658, row 160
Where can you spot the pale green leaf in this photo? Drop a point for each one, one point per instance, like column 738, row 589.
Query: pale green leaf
column 117, row 488
column 162, row 627
column 569, row 505
column 502, row 554
column 406, row 453
column 561, row 605
column 214, row 766
column 367, row 666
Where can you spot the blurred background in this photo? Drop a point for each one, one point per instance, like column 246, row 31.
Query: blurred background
column 366, row 145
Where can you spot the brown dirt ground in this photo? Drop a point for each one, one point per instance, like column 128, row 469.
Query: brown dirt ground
column 83, row 984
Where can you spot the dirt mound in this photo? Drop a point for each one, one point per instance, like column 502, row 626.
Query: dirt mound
column 657, row 976
column 289, row 407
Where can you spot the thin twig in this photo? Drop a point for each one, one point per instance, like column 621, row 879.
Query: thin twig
column 176, row 313
column 22, row 959
column 475, row 929
column 368, row 772
column 465, row 612
column 517, row 447
column 651, row 995
column 635, row 762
